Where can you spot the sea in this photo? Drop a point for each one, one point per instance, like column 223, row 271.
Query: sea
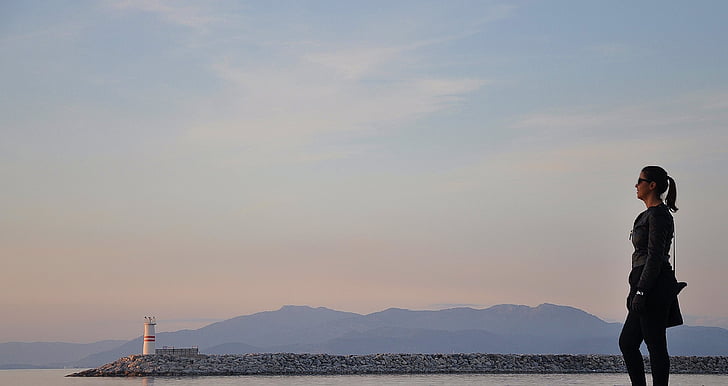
column 58, row 377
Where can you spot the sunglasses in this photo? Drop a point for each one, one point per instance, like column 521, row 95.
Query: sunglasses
column 640, row 180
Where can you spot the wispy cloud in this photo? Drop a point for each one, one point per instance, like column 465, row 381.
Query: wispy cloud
column 190, row 14
column 596, row 142
column 700, row 113
column 289, row 105
column 318, row 86
column 358, row 62
column 355, row 63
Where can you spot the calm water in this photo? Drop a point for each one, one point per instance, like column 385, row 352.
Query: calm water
column 56, row 378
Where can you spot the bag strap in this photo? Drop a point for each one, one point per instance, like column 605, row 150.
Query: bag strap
column 674, row 249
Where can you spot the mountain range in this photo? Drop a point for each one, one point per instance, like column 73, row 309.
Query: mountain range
column 545, row 329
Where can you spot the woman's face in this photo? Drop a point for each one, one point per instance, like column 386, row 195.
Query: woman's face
column 644, row 187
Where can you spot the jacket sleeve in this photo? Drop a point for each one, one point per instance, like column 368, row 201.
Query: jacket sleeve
column 658, row 236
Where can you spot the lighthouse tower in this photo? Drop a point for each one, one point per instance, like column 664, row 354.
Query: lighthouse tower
column 149, row 338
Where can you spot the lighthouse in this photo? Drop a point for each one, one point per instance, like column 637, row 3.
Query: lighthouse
column 149, row 338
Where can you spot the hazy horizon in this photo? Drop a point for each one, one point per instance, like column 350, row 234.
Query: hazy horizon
column 175, row 325
column 193, row 324
column 215, row 159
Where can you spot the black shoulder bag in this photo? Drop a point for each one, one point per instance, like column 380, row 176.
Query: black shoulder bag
column 674, row 317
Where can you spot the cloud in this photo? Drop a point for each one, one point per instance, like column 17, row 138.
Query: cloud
column 685, row 132
column 617, row 119
column 358, row 62
column 355, row 63
column 289, row 105
column 686, row 116
column 190, row 15
column 292, row 91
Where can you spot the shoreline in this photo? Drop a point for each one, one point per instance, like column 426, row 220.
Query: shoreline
column 326, row 364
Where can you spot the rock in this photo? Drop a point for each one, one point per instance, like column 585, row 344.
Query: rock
column 299, row 364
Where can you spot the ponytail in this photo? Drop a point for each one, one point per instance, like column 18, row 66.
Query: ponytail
column 664, row 183
column 671, row 195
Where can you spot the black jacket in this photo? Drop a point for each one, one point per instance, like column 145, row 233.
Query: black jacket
column 651, row 270
column 652, row 237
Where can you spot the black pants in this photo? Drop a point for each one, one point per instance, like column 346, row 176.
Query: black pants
column 650, row 328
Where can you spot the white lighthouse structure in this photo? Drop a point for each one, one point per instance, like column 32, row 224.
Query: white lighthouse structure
column 149, row 337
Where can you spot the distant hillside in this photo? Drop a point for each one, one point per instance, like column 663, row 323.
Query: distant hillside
column 49, row 354
column 546, row 329
column 263, row 330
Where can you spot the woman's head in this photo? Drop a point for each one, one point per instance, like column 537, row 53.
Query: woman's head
column 663, row 183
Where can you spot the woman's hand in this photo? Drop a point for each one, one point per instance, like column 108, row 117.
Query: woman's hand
column 638, row 302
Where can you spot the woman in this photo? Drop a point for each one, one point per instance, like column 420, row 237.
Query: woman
column 653, row 288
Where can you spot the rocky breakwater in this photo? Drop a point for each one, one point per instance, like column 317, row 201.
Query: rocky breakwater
column 303, row 364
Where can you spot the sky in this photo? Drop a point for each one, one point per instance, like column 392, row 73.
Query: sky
column 199, row 161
